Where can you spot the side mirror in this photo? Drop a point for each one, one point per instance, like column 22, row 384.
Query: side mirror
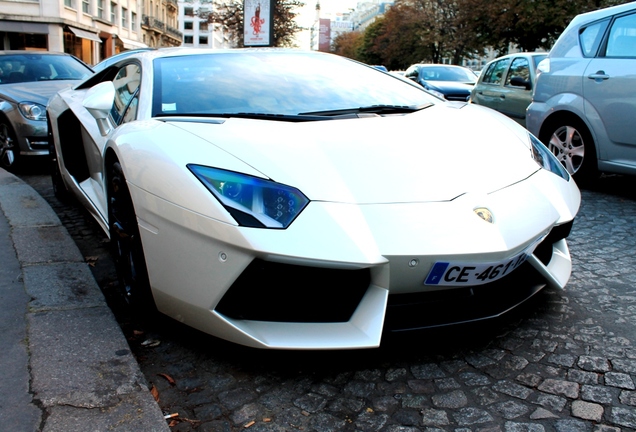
column 520, row 82
column 99, row 101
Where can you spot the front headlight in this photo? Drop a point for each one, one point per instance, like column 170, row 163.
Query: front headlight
column 33, row 111
column 252, row 201
column 546, row 159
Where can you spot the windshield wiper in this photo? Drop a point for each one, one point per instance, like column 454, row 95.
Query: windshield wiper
column 373, row 109
column 257, row 116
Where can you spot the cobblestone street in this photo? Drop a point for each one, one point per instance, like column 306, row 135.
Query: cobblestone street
column 565, row 362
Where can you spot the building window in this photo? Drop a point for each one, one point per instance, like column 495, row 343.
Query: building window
column 203, row 40
column 124, row 16
column 113, row 12
column 187, row 39
column 188, row 11
column 85, row 6
column 68, row 3
column 187, row 25
column 100, row 9
column 203, row 26
column 133, row 21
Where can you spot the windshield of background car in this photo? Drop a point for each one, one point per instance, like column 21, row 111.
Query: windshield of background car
column 447, row 74
column 270, row 82
column 21, row 68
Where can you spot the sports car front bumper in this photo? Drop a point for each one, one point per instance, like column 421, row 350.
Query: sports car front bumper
column 341, row 273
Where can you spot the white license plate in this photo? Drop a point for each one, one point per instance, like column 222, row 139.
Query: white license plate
column 468, row 274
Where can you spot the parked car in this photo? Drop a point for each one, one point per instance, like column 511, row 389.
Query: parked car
column 27, row 80
column 446, row 81
column 506, row 84
column 301, row 200
column 584, row 102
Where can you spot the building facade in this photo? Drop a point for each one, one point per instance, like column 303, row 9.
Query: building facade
column 197, row 31
column 160, row 23
column 92, row 30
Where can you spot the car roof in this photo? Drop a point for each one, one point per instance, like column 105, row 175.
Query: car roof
column 601, row 13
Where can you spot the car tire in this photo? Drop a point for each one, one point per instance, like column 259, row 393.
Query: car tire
column 126, row 244
column 572, row 143
column 9, row 149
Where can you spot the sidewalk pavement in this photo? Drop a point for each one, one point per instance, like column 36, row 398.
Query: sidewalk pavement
column 66, row 365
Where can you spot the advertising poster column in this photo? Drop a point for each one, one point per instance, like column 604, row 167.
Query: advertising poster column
column 258, row 23
column 324, row 43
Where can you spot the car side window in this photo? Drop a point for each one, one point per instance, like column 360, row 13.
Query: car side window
column 622, row 37
column 590, row 37
column 519, row 68
column 126, row 84
column 495, row 72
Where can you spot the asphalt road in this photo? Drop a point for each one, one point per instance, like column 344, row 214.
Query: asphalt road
column 567, row 362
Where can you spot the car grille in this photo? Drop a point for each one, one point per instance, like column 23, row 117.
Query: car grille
column 268, row 291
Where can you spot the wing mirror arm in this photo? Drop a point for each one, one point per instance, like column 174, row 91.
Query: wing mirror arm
column 98, row 102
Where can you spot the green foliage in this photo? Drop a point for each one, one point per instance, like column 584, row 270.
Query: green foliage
column 414, row 31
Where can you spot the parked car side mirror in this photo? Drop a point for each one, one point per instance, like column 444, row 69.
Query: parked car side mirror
column 520, row 82
column 99, row 101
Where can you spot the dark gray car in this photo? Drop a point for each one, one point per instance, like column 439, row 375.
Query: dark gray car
column 584, row 102
column 27, row 80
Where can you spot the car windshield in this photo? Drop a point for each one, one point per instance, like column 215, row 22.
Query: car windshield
column 270, row 82
column 440, row 73
column 21, row 68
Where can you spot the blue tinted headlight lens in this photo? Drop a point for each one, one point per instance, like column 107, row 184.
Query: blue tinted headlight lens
column 252, row 201
column 546, row 159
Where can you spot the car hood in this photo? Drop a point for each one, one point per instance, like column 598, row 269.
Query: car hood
column 436, row 154
column 448, row 86
column 36, row 91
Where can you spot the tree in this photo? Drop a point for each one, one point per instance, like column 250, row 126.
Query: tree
column 348, row 44
column 229, row 14
column 527, row 24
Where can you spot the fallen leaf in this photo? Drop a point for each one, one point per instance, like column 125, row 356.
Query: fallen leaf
column 168, row 378
column 155, row 393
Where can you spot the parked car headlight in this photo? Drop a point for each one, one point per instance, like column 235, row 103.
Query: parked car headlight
column 33, row 111
column 546, row 159
column 252, row 201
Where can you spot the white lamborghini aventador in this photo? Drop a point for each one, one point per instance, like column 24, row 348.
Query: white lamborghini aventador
column 300, row 200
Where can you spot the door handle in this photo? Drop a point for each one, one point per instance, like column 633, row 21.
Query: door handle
column 599, row 76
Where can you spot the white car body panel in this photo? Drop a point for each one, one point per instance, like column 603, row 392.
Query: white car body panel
column 382, row 196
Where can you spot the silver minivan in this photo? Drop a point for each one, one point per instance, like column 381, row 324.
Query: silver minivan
column 584, row 102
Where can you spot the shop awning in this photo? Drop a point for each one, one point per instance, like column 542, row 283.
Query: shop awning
column 131, row 44
column 85, row 34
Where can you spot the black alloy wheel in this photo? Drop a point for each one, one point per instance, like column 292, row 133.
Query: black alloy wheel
column 9, row 149
column 126, row 243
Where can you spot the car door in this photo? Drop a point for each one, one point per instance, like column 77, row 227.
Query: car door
column 516, row 92
column 489, row 89
column 609, row 87
column 126, row 81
